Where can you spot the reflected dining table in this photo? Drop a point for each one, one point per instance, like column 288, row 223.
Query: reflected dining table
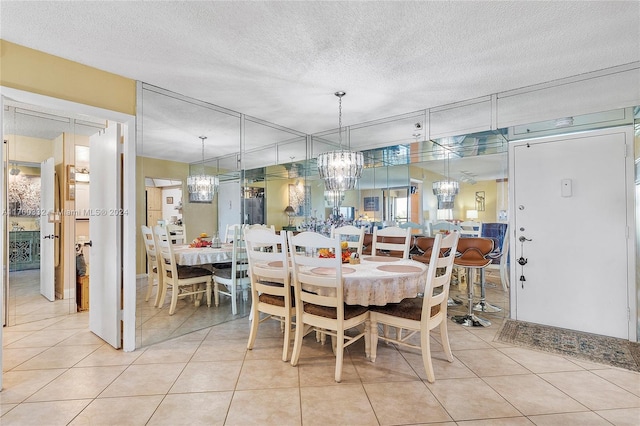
column 198, row 256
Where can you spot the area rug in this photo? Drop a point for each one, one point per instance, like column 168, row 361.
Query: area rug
column 590, row 347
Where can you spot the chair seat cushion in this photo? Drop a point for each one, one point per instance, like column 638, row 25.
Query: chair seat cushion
column 226, row 273
column 270, row 299
column 350, row 311
column 408, row 308
column 185, row 272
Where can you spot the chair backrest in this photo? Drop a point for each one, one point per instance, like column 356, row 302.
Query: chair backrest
column 229, row 233
column 353, row 235
column 471, row 229
column 239, row 258
column 436, row 297
column 394, row 239
column 166, row 258
column 426, row 245
column 268, row 266
column 416, row 228
column 177, row 234
column 272, row 228
column 499, row 233
column 445, row 226
column 327, row 278
column 150, row 248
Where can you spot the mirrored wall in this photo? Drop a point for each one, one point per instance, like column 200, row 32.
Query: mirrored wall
column 268, row 174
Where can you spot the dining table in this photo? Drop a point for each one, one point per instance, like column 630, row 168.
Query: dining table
column 198, row 256
column 376, row 280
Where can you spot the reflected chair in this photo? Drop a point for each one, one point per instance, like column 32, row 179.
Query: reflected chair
column 499, row 232
column 416, row 228
column 229, row 280
column 473, row 257
column 177, row 233
column 421, row 314
column 394, row 240
column 444, row 226
column 319, row 297
column 425, row 245
column 272, row 228
column 153, row 267
column 353, row 235
column 471, row 229
column 229, row 233
column 181, row 280
column 270, row 283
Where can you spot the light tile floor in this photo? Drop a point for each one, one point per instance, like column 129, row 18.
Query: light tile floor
column 56, row 372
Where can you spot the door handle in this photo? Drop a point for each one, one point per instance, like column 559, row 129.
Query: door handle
column 51, row 236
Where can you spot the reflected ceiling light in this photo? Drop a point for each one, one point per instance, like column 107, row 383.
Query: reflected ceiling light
column 564, row 122
column 446, row 190
column 340, row 169
column 202, row 187
column 334, row 198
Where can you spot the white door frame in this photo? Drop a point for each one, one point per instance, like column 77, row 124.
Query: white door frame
column 129, row 197
column 632, row 286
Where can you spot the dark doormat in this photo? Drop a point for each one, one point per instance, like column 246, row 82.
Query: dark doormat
column 590, row 347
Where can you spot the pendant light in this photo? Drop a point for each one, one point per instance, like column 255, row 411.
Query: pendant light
column 340, row 169
column 447, row 189
column 202, row 187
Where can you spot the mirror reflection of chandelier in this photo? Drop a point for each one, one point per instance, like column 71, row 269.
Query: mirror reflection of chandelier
column 334, row 198
column 447, row 189
column 202, row 187
column 340, row 169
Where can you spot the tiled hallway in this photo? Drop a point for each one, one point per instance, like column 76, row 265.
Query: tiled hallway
column 69, row 376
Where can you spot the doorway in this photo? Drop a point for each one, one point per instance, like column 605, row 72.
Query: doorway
column 572, row 214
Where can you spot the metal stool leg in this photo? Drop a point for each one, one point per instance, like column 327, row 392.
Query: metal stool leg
column 470, row 319
column 483, row 305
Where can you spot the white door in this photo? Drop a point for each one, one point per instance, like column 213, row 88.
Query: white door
column 570, row 202
column 228, row 205
column 105, row 225
column 48, row 239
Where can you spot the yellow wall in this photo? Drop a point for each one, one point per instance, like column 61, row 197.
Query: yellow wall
column 196, row 216
column 465, row 200
column 38, row 72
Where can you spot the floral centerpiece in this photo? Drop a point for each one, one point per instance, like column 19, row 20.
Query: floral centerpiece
column 200, row 241
column 345, row 254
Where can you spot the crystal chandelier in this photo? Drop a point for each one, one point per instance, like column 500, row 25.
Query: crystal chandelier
column 202, row 187
column 446, row 190
column 340, row 169
column 334, row 198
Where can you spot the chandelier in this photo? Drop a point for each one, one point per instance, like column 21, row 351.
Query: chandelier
column 334, row 198
column 340, row 169
column 447, row 189
column 202, row 187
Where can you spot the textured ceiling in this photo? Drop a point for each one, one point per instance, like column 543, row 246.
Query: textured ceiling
column 282, row 61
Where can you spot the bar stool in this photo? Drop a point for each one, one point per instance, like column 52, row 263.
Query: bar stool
column 473, row 258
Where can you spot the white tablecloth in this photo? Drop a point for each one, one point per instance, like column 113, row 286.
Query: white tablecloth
column 190, row 256
column 380, row 280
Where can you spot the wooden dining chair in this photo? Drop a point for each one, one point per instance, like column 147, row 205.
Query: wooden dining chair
column 229, row 232
column 319, row 298
column 393, row 240
column 228, row 281
column 471, row 229
column 270, row 283
column 421, row 314
column 181, row 280
column 177, row 234
column 353, row 235
column 271, row 228
column 154, row 272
